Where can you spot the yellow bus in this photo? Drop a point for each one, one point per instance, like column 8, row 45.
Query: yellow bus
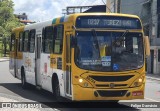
column 86, row 56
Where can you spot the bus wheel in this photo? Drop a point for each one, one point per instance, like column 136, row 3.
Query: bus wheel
column 57, row 91
column 23, row 80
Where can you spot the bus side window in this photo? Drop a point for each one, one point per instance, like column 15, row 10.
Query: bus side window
column 31, row 41
column 12, row 42
column 43, row 43
column 47, row 40
column 58, row 39
column 20, row 42
column 25, row 41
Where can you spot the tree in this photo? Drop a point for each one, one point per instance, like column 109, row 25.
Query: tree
column 8, row 21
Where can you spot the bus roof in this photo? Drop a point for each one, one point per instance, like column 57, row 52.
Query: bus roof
column 71, row 18
column 107, row 14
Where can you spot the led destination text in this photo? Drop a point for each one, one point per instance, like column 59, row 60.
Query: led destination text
column 106, row 22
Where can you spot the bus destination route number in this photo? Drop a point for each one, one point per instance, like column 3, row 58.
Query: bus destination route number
column 108, row 22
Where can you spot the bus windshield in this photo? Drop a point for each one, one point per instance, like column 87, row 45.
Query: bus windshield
column 109, row 51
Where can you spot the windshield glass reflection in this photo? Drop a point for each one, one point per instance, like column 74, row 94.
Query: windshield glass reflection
column 109, row 51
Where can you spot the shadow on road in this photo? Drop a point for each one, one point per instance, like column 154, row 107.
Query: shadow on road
column 30, row 93
column 48, row 99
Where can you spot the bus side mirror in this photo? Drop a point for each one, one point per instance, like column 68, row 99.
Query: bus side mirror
column 73, row 42
column 147, row 46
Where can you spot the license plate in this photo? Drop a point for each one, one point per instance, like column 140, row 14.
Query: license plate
column 137, row 93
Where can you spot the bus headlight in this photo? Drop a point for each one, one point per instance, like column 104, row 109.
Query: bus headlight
column 139, row 81
column 84, row 83
column 80, row 80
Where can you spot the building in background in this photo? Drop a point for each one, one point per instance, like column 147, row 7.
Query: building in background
column 84, row 9
column 24, row 18
column 149, row 12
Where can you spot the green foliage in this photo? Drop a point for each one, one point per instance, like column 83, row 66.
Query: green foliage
column 7, row 19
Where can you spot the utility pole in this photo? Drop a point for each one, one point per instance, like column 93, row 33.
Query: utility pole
column 108, row 6
column 113, row 6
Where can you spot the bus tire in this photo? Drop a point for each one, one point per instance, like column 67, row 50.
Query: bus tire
column 57, row 90
column 23, row 79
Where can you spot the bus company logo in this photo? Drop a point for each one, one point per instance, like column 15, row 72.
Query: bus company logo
column 112, row 85
column 28, row 61
column 53, row 61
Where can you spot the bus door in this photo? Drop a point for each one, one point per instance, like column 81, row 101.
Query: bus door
column 16, row 58
column 68, row 66
column 37, row 60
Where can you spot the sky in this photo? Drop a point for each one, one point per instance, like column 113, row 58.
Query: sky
column 42, row 10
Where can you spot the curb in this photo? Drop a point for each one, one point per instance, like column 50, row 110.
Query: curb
column 153, row 78
column 3, row 60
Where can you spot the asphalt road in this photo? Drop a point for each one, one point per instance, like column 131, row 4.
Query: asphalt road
column 12, row 87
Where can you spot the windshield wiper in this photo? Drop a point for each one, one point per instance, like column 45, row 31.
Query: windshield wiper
column 118, row 40
column 95, row 41
column 124, row 34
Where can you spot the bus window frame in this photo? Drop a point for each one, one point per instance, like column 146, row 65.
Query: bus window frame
column 56, row 38
column 44, row 40
column 29, row 40
column 12, row 47
column 20, row 42
column 23, row 41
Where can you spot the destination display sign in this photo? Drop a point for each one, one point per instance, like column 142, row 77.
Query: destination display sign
column 108, row 22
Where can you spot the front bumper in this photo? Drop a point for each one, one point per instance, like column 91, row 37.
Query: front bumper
column 87, row 94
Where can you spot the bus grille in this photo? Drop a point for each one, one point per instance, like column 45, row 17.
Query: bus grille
column 103, row 93
column 111, row 78
column 107, row 85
